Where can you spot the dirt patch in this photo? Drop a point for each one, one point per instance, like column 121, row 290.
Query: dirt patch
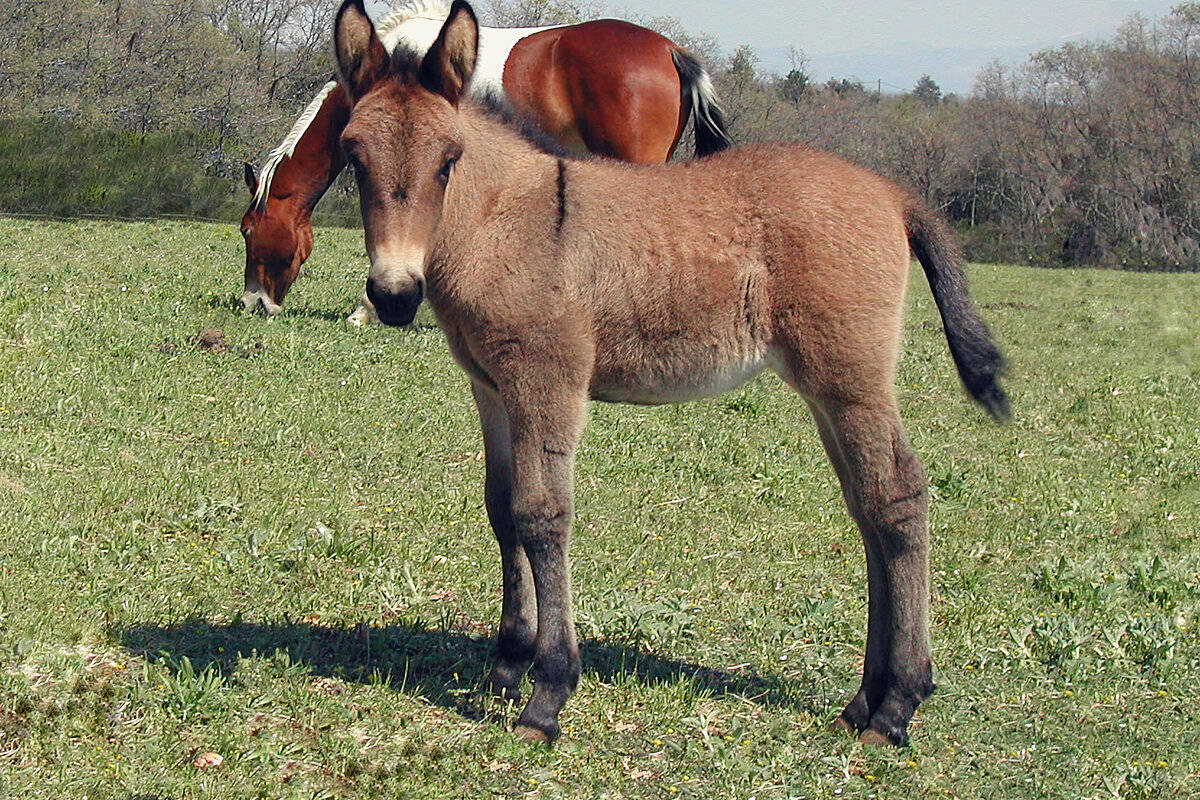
column 213, row 340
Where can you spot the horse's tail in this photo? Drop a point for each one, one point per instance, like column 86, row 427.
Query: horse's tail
column 711, row 132
column 978, row 359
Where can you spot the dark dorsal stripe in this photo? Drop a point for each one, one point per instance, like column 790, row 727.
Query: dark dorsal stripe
column 562, row 197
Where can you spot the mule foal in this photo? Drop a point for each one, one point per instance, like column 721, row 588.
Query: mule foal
column 559, row 281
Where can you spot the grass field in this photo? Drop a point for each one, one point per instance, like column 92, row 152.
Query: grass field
column 277, row 553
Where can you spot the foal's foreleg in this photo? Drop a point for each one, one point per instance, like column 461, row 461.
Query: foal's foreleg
column 518, row 615
column 545, row 436
column 885, row 488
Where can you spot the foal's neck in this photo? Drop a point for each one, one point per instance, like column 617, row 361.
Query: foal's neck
column 502, row 160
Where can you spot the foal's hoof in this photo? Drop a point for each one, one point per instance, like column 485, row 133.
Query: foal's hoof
column 873, row 738
column 843, row 725
column 535, row 735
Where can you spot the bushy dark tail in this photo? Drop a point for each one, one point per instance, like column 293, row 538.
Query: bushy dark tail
column 711, row 133
column 978, row 359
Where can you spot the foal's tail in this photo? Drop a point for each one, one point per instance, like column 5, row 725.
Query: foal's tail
column 978, row 359
column 711, row 133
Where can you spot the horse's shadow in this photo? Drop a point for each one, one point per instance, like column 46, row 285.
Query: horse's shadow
column 445, row 667
column 233, row 305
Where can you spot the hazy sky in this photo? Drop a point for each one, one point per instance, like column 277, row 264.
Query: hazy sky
column 839, row 25
column 875, row 35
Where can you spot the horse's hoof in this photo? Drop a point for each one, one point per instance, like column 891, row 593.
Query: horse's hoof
column 533, row 735
column 360, row 318
column 843, row 725
column 873, row 738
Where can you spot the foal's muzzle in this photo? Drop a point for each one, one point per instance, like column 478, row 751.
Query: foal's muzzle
column 396, row 305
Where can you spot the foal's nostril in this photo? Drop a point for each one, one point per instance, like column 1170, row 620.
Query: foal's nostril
column 396, row 307
column 373, row 293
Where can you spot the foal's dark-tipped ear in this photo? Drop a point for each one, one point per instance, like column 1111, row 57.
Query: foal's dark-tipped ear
column 449, row 64
column 361, row 57
column 251, row 180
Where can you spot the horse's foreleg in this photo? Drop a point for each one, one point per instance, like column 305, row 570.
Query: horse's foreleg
column 885, row 488
column 544, row 442
column 518, row 615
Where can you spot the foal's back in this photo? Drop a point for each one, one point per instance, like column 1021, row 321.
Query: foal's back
column 696, row 276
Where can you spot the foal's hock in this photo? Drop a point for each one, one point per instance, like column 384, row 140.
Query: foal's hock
column 558, row 281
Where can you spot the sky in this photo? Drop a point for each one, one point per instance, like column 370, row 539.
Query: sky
column 896, row 42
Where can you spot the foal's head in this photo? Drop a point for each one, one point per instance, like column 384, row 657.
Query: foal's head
column 276, row 245
column 402, row 141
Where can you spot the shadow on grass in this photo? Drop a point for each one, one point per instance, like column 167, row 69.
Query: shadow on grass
column 233, row 304
column 445, row 667
column 418, row 326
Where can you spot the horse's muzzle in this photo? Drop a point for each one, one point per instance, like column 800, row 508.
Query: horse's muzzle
column 396, row 306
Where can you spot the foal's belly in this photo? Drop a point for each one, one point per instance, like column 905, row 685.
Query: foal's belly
column 657, row 381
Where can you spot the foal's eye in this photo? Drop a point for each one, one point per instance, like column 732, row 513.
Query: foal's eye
column 444, row 172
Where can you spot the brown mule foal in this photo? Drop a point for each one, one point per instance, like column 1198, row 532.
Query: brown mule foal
column 559, row 281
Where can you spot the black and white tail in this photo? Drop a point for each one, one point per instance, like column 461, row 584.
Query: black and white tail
column 711, row 133
column 978, row 359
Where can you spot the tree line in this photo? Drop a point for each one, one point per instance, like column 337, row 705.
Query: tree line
column 1085, row 154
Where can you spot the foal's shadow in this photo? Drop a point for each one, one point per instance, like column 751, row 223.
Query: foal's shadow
column 446, row 668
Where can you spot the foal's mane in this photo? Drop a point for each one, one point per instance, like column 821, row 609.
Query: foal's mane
column 436, row 10
column 499, row 109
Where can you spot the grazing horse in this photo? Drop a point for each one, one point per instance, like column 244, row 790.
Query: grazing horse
column 605, row 86
column 557, row 281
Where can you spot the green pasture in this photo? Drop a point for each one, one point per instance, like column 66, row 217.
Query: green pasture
column 276, row 552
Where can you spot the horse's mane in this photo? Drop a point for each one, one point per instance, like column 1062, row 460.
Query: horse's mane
column 414, row 9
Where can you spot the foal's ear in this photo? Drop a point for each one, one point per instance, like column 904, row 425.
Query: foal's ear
column 361, row 57
column 449, row 64
column 251, row 180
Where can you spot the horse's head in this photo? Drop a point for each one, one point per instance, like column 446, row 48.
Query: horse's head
column 277, row 242
column 402, row 142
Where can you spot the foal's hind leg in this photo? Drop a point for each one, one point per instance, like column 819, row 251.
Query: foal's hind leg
column 886, row 491
column 518, row 616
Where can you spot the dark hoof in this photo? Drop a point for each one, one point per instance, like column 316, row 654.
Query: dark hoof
column 873, row 738
column 855, row 717
column 535, row 735
column 843, row 725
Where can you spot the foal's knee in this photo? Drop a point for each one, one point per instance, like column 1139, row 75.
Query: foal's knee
column 539, row 521
column 901, row 500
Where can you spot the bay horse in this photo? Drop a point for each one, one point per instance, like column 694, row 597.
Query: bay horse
column 606, row 87
column 559, row 281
